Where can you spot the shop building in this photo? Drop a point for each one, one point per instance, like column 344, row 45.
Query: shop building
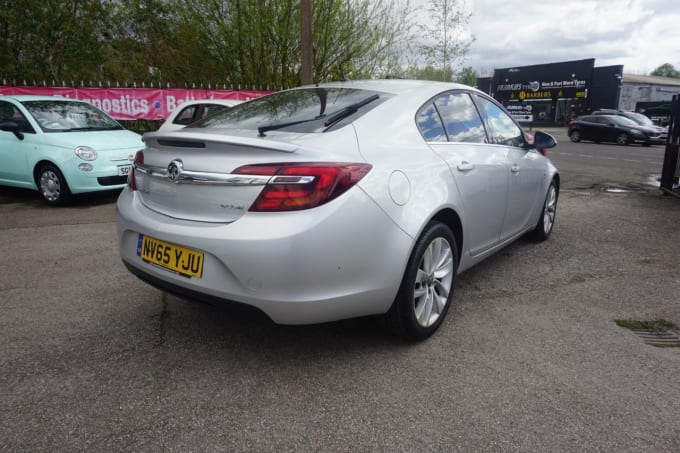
column 553, row 93
column 649, row 95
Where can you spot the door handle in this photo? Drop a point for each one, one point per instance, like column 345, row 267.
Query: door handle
column 465, row 166
column 514, row 168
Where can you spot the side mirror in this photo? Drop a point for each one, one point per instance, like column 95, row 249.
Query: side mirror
column 13, row 127
column 543, row 141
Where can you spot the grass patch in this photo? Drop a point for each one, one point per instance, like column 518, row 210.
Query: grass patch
column 659, row 325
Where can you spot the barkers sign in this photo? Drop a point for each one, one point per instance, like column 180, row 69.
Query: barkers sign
column 134, row 103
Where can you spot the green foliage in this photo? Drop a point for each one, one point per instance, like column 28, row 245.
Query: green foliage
column 247, row 44
column 467, row 76
column 446, row 42
column 50, row 38
column 666, row 70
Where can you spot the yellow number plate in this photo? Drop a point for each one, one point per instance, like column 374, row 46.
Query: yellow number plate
column 178, row 259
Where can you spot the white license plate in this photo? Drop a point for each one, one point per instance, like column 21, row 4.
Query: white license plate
column 124, row 170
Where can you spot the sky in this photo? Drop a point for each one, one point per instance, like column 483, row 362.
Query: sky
column 639, row 34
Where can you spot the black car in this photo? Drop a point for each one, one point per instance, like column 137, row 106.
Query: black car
column 613, row 128
column 639, row 118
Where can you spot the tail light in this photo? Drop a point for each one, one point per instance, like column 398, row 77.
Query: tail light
column 298, row 186
column 543, row 151
column 139, row 159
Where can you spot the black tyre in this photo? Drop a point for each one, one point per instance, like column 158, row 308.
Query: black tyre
column 427, row 287
column 575, row 136
column 52, row 185
column 546, row 221
column 622, row 139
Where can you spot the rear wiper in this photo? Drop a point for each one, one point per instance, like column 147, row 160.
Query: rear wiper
column 349, row 110
column 272, row 127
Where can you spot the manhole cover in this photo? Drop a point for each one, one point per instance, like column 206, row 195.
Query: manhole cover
column 656, row 333
column 613, row 189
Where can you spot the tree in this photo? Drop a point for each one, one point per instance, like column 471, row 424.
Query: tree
column 467, row 76
column 666, row 70
column 52, row 39
column 446, row 43
column 237, row 43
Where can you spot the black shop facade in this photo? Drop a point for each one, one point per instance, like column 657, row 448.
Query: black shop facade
column 554, row 93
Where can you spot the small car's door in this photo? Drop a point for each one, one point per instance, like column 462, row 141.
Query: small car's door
column 454, row 129
column 524, row 167
column 13, row 151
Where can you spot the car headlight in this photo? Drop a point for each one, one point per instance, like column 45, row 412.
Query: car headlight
column 86, row 153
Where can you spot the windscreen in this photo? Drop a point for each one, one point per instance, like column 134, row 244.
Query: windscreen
column 67, row 116
column 300, row 110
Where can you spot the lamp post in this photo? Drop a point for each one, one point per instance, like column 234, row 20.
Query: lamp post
column 306, row 76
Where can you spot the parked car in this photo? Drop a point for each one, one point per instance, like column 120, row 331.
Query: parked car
column 337, row 200
column 638, row 118
column 612, row 128
column 192, row 111
column 61, row 147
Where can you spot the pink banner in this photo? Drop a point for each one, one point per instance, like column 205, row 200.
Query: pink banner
column 134, row 103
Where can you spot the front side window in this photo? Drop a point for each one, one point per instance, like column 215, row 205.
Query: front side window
column 504, row 131
column 9, row 112
column 186, row 116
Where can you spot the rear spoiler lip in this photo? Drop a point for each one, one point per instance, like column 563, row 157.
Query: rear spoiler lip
column 199, row 139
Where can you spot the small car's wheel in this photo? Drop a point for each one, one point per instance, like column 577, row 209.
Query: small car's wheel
column 427, row 287
column 575, row 136
column 546, row 221
column 622, row 139
column 52, row 185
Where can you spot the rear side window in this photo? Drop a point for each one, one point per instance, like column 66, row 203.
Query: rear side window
column 504, row 131
column 451, row 117
column 430, row 124
column 460, row 117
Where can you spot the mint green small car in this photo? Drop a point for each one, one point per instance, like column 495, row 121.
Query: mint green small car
column 61, row 147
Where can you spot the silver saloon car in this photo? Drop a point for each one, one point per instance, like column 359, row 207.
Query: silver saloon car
column 337, row 200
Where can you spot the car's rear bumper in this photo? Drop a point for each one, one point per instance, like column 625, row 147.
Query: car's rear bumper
column 341, row 260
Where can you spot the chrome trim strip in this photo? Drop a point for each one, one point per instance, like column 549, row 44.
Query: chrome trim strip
column 226, row 179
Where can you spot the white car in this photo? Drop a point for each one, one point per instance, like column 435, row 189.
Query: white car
column 337, row 200
column 191, row 111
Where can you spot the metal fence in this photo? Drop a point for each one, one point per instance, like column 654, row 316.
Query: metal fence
column 671, row 164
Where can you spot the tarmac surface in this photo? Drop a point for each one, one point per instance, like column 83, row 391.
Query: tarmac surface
column 529, row 359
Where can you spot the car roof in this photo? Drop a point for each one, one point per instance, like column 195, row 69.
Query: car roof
column 31, row 97
column 227, row 102
column 395, row 86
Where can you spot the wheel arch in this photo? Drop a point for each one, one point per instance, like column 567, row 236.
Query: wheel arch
column 450, row 218
column 36, row 170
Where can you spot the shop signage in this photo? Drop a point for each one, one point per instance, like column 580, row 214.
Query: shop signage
column 134, row 103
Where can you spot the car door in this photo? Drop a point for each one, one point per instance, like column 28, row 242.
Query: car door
column 602, row 130
column 13, row 150
column 454, row 129
column 524, row 167
column 590, row 129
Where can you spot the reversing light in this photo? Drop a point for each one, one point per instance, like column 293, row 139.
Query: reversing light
column 298, row 186
column 139, row 159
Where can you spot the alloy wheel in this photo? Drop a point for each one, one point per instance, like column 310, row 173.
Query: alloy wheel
column 433, row 282
column 549, row 209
